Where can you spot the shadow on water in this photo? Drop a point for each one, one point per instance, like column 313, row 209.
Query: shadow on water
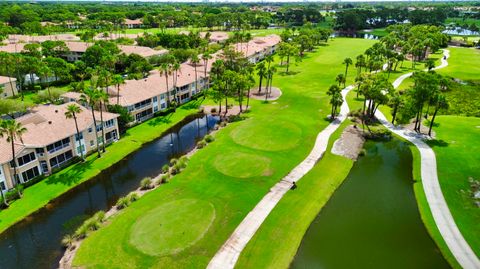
column 36, row 241
column 372, row 220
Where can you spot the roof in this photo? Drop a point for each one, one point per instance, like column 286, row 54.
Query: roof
column 47, row 124
column 136, row 21
column 41, row 38
column 4, row 80
column 81, row 47
column 257, row 45
column 216, row 36
column 134, row 91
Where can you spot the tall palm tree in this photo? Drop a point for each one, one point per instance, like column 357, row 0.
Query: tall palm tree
column 175, row 69
column 360, row 63
column 72, row 111
column 103, row 101
column 166, row 70
column 340, row 79
column 90, row 97
column 195, row 60
column 12, row 130
column 118, row 80
column 347, row 62
column 261, row 72
column 205, row 57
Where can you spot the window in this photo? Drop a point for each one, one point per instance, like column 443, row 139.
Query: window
column 155, row 99
column 2, row 186
column 109, row 123
column 39, row 150
column 143, row 103
column 26, row 159
column 78, row 137
column 131, row 108
column 90, row 130
column 44, row 166
column 58, row 145
column 60, row 159
column 99, row 127
column 163, row 106
column 162, row 96
column 80, row 148
column 30, row 173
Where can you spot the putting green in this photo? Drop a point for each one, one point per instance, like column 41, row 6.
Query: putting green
column 242, row 165
column 169, row 228
column 258, row 134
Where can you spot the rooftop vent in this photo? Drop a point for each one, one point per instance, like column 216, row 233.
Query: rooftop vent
column 49, row 122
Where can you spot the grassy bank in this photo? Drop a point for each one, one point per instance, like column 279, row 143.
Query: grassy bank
column 276, row 145
column 38, row 195
column 456, row 148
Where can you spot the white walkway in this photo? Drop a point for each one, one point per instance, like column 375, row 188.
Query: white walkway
column 228, row 255
column 440, row 211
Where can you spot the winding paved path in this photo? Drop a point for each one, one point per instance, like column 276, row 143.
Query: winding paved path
column 228, row 255
column 433, row 192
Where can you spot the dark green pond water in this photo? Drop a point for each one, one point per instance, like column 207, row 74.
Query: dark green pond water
column 372, row 220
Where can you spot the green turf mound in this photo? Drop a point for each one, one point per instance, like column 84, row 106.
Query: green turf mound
column 268, row 134
column 242, row 165
column 172, row 227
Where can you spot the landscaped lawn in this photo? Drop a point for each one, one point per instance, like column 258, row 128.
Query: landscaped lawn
column 457, row 150
column 273, row 139
column 51, row 187
column 463, row 64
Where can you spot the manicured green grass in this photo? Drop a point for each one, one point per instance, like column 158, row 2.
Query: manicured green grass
column 164, row 229
column 304, row 104
column 463, row 64
column 252, row 165
column 38, row 195
column 378, row 32
column 285, row 227
column 456, row 147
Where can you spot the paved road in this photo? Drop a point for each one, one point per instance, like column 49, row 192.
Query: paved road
column 440, row 211
column 228, row 255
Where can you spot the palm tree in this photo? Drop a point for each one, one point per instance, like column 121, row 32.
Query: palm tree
column 347, row 62
column 335, row 100
column 195, row 60
column 441, row 104
column 90, row 97
column 175, row 69
column 45, row 72
column 205, row 57
column 118, row 80
column 270, row 73
column 13, row 131
column 360, row 63
column 261, row 72
column 340, row 79
column 103, row 101
column 166, row 70
column 72, row 111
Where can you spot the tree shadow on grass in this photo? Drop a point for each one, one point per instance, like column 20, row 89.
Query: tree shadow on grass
column 71, row 175
column 437, row 143
column 161, row 120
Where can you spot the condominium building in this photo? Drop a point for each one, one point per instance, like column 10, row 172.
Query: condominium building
column 51, row 142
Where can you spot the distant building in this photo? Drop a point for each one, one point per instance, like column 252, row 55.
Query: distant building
column 133, row 24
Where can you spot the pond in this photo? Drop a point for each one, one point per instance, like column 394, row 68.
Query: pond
column 36, row 241
column 372, row 220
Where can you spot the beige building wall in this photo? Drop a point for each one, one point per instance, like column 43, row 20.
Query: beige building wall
column 7, row 89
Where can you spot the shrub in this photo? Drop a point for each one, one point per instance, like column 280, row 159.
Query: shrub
column 146, row 183
column 209, row 138
column 91, row 224
column 67, row 241
column 99, row 216
column 165, row 168
column 223, row 123
column 176, row 168
column 173, row 161
column 122, row 203
column 81, row 232
column 164, row 178
column 201, row 144
column 132, row 197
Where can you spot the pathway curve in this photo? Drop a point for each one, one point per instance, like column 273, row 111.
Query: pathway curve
column 229, row 253
column 433, row 192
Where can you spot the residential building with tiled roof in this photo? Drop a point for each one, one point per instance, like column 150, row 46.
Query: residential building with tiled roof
column 51, row 141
